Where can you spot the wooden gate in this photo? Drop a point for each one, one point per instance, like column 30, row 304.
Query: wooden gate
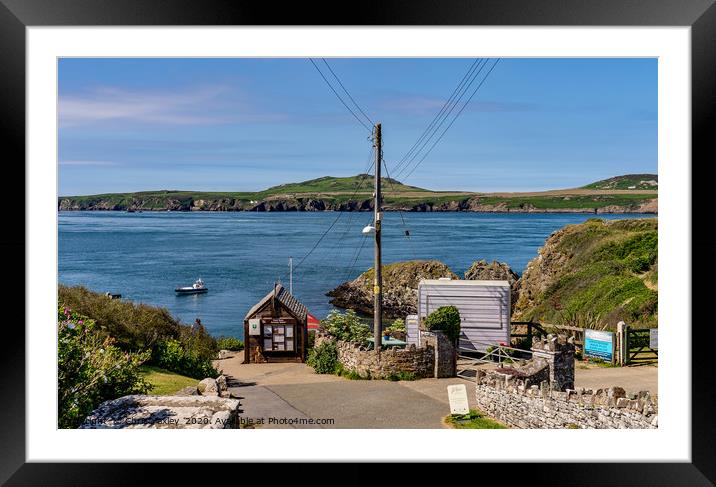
column 638, row 347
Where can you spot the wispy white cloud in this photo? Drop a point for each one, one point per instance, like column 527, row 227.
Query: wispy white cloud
column 88, row 163
column 198, row 106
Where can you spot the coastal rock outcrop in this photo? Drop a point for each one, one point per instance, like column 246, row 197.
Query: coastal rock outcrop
column 482, row 270
column 593, row 274
column 187, row 202
column 400, row 284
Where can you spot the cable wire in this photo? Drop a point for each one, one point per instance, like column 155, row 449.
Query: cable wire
column 347, row 92
column 457, row 89
column 443, row 120
column 452, row 122
column 339, row 97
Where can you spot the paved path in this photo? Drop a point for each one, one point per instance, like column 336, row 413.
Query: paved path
column 289, row 395
column 632, row 379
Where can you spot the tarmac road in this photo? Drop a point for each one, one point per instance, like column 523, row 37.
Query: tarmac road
column 291, row 395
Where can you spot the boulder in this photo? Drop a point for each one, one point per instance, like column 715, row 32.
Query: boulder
column 482, row 270
column 221, row 383
column 165, row 412
column 208, row 387
column 187, row 391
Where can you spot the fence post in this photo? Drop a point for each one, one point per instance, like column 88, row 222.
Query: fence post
column 623, row 343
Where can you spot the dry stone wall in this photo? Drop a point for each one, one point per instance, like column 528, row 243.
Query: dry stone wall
column 419, row 361
column 509, row 399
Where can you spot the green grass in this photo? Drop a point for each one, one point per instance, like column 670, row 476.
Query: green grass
column 329, row 184
column 587, row 202
column 164, row 382
column 603, row 280
column 475, row 420
column 628, row 181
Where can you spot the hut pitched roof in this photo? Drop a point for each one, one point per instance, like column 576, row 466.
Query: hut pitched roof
column 285, row 298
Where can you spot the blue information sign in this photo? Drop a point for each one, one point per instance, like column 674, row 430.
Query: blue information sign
column 599, row 344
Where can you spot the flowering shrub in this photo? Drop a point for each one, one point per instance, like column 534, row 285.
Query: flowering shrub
column 139, row 327
column 91, row 369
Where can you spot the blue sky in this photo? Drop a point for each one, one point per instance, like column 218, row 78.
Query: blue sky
column 247, row 124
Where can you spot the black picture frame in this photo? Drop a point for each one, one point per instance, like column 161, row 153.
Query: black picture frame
column 16, row 15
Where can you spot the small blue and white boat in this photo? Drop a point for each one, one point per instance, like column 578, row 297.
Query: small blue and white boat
column 196, row 288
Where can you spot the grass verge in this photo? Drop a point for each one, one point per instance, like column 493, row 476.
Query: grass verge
column 475, row 420
column 165, row 382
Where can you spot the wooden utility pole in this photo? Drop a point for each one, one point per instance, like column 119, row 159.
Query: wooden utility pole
column 378, row 282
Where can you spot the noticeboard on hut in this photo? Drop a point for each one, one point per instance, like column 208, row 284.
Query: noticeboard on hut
column 276, row 329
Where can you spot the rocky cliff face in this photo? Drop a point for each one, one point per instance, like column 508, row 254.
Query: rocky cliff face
column 400, row 284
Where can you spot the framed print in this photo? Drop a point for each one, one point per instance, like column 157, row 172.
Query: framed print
column 285, row 156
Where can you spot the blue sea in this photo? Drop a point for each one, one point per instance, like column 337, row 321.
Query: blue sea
column 239, row 255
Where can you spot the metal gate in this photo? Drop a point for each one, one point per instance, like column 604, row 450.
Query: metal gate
column 469, row 358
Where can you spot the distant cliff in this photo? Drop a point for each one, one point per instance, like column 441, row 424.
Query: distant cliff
column 354, row 193
column 170, row 202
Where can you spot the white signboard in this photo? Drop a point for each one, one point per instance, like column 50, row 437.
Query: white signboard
column 255, row 326
column 457, row 395
column 654, row 338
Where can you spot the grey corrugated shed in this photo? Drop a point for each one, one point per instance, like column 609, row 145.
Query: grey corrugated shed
column 285, row 298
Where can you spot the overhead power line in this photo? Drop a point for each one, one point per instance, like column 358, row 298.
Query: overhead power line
column 438, row 115
column 462, row 92
column 333, row 223
column 347, row 92
column 366, row 126
column 452, row 122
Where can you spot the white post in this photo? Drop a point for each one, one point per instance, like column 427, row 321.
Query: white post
column 290, row 275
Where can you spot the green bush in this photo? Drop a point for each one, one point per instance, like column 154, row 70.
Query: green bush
column 138, row 327
column 346, row 326
column 91, row 369
column 229, row 343
column 324, row 358
column 445, row 319
column 171, row 354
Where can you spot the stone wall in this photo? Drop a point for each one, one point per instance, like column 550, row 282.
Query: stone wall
column 557, row 351
column 510, row 400
column 445, row 353
column 358, row 359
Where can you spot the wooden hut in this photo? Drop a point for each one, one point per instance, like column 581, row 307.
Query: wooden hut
column 276, row 329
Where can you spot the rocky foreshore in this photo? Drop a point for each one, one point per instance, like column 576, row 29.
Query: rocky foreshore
column 400, row 284
column 471, row 204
